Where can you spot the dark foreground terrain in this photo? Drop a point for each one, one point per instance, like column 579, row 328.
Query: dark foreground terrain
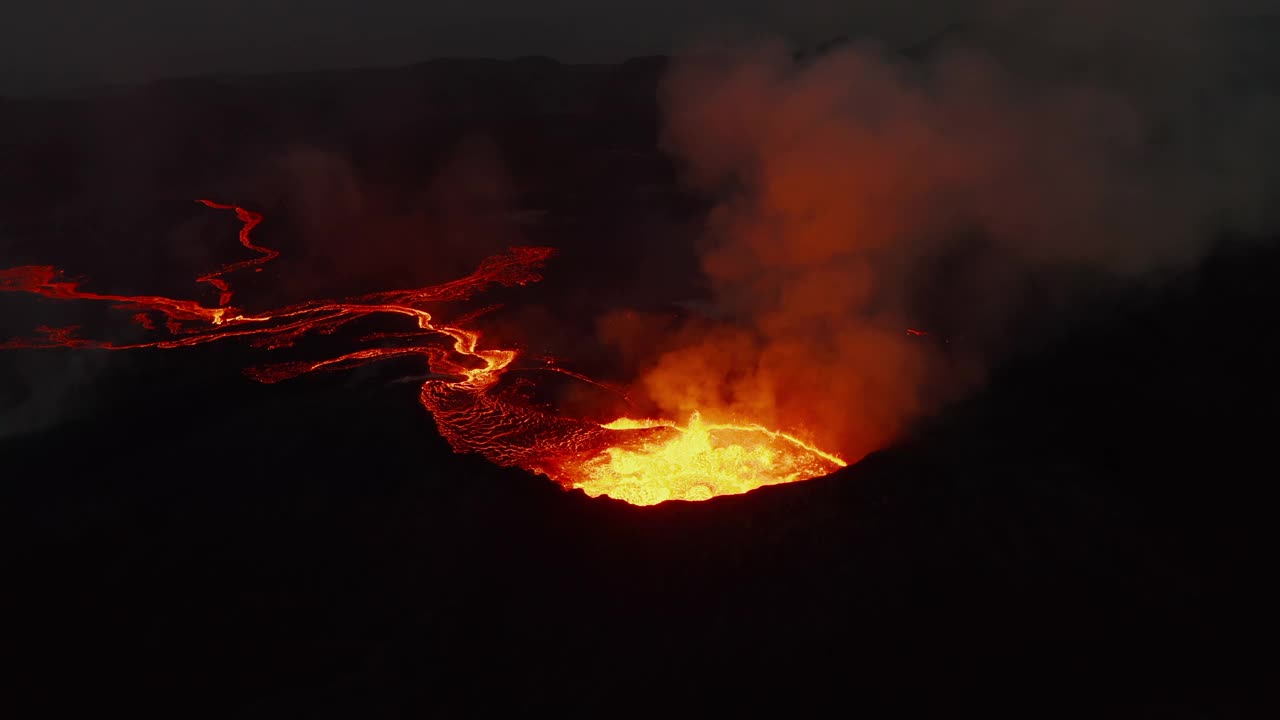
column 1090, row 533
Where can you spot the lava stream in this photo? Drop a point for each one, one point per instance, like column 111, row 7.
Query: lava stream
column 642, row 462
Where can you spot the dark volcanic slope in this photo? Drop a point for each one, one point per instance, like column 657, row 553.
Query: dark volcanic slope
column 1090, row 532
column 168, row 136
column 1093, row 530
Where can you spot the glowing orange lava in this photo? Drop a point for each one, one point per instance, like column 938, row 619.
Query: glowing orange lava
column 699, row 461
column 642, row 462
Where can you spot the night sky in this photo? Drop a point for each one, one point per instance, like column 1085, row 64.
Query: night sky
column 1014, row 260
column 86, row 42
column 72, row 43
column 75, row 42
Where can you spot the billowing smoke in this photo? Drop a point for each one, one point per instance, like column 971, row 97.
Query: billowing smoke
column 352, row 225
column 842, row 180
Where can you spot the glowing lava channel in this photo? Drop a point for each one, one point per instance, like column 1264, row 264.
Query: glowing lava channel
column 642, row 462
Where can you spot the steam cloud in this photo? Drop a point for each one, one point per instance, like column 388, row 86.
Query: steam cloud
column 839, row 179
column 459, row 216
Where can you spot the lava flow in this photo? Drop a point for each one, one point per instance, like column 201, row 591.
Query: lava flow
column 699, row 461
column 642, row 462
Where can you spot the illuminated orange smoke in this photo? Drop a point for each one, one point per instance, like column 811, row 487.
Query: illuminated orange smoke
column 640, row 461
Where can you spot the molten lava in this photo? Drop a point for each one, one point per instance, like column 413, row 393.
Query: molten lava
column 700, row 461
column 642, row 462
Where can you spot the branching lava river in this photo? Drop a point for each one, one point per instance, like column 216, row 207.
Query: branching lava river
column 642, row 462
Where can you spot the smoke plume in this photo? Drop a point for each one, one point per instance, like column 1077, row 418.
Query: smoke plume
column 841, row 181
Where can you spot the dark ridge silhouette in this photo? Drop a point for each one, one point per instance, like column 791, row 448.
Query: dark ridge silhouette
column 1090, row 535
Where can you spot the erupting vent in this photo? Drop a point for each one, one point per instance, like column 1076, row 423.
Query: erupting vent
column 640, row 461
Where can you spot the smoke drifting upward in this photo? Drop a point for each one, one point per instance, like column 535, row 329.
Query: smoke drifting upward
column 438, row 226
column 838, row 179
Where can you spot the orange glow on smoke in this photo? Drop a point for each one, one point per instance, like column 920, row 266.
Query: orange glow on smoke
column 642, row 462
